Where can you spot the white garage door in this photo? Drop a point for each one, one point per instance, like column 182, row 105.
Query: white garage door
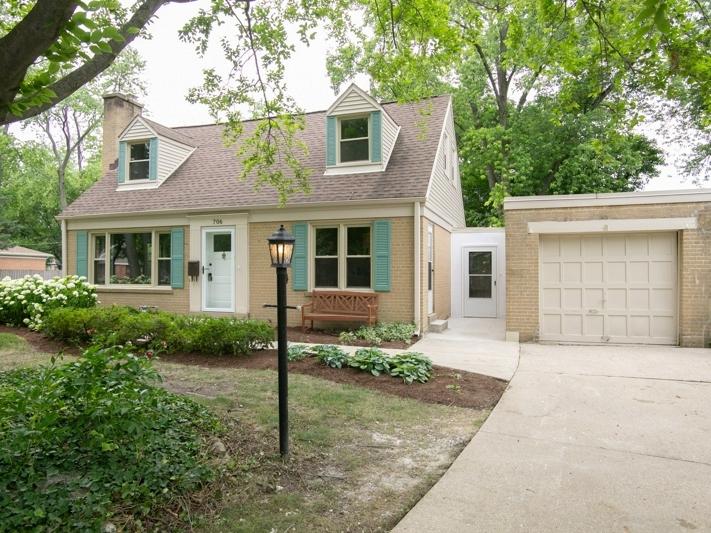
column 619, row 288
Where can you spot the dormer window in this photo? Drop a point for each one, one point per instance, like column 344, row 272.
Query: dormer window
column 354, row 141
column 139, row 161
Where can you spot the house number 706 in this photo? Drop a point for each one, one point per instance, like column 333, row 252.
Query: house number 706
column 217, row 221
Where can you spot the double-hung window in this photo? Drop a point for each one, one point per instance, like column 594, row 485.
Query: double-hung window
column 354, row 140
column 131, row 259
column 139, row 160
column 342, row 257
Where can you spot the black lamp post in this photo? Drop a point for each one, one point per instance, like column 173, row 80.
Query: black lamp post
column 281, row 248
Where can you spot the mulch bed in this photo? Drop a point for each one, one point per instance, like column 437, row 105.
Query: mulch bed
column 445, row 386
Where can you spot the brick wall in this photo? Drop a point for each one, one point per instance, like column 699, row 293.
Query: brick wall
column 119, row 110
column 395, row 306
column 443, row 272
column 22, row 263
column 522, row 294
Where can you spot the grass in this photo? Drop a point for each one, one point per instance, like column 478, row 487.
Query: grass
column 359, row 459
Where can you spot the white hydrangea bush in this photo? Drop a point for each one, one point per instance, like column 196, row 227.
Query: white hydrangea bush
column 26, row 301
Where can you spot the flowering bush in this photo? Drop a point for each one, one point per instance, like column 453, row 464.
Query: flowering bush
column 26, row 301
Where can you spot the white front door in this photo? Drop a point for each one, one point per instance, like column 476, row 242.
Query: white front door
column 480, row 275
column 218, row 275
column 430, row 269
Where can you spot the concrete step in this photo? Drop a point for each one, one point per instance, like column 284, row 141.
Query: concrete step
column 438, row 326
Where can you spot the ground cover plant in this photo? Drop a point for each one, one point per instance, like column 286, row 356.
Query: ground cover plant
column 382, row 332
column 158, row 331
column 27, row 301
column 84, row 440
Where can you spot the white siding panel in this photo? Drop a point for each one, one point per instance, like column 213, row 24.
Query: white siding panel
column 389, row 136
column 353, row 103
column 137, row 132
column 444, row 195
column 171, row 155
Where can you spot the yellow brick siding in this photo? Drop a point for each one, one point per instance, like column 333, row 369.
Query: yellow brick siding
column 397, row 305
column 522, row 296
column 443, row 272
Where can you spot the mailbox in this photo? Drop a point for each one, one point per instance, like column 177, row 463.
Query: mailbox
column 193, row 270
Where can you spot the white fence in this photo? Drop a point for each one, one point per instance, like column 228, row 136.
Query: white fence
column 19, row 274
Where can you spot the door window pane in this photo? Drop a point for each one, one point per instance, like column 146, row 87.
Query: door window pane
column 480, row 263
column 222, row 243
column 479, row 286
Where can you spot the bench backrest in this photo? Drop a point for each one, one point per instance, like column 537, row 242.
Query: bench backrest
column 346, row 303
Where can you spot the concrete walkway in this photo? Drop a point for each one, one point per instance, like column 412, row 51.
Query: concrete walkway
column 474, row 345
column 585, row 439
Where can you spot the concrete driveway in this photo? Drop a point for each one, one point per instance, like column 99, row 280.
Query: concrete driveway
column 586, row 438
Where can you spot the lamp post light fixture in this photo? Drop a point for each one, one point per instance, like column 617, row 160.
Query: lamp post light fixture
column 281, row 248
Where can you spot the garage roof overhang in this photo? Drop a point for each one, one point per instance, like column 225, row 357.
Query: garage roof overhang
column 613, row 226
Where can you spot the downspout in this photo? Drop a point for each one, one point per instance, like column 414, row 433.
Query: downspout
column 64, row 247
column 417, row 269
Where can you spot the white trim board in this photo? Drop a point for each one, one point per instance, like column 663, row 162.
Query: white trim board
column 613, row 226
column 600, row 199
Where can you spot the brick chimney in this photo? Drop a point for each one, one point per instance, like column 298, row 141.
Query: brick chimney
column 119, row 110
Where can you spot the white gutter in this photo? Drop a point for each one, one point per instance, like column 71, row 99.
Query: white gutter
column 417, row 269
column 64, row 247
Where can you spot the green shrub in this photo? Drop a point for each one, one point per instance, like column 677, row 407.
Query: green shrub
column 411, row 366
column 82, row 440
column 331, row 355
column 379, row 333
column 26, row 301
column 371, row 360
column 158, row 331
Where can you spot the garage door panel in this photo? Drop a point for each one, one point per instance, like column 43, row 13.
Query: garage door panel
column 573, row 299
column 572, row 272
column 594, row 325
column 617, row 299
column 639, row 272
column 617, row 272
column 639, row 299
column 609, row 288
column 592, row 272
column 550, row 273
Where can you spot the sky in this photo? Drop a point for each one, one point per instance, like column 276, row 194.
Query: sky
column 173, row 67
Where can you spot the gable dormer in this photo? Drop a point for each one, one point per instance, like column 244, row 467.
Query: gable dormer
column 360, row 135
column 149, row 153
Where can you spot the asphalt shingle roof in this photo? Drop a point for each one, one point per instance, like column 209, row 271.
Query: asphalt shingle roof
column 209, row 177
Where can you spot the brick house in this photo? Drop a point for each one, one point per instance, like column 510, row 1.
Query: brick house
column 610, row 268
column 385, row 198
column 21, row 258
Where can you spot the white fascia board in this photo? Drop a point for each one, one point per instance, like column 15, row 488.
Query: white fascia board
column 437, row 219
column 479, row 230
column 613, row 226
column 600, row 199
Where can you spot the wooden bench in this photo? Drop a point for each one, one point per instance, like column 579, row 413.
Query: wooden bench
column 340, row 306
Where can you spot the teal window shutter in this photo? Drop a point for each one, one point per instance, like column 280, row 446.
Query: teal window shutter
column 300, row 258
column 83, row 254
column 122, row 162
column 376, row 137
column 381, row 245
column 331, row 141
column 177, row 257
column 153, row 159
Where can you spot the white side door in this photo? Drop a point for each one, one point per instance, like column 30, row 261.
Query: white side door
column 218, row 271
column 480, row 275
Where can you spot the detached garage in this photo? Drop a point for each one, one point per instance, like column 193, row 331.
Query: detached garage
column 610, row 268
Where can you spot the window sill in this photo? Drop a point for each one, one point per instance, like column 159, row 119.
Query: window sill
column 353, row 168
column 139, row 289
column 137, row 185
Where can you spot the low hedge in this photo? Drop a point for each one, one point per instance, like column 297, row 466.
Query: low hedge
column 158, row 331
